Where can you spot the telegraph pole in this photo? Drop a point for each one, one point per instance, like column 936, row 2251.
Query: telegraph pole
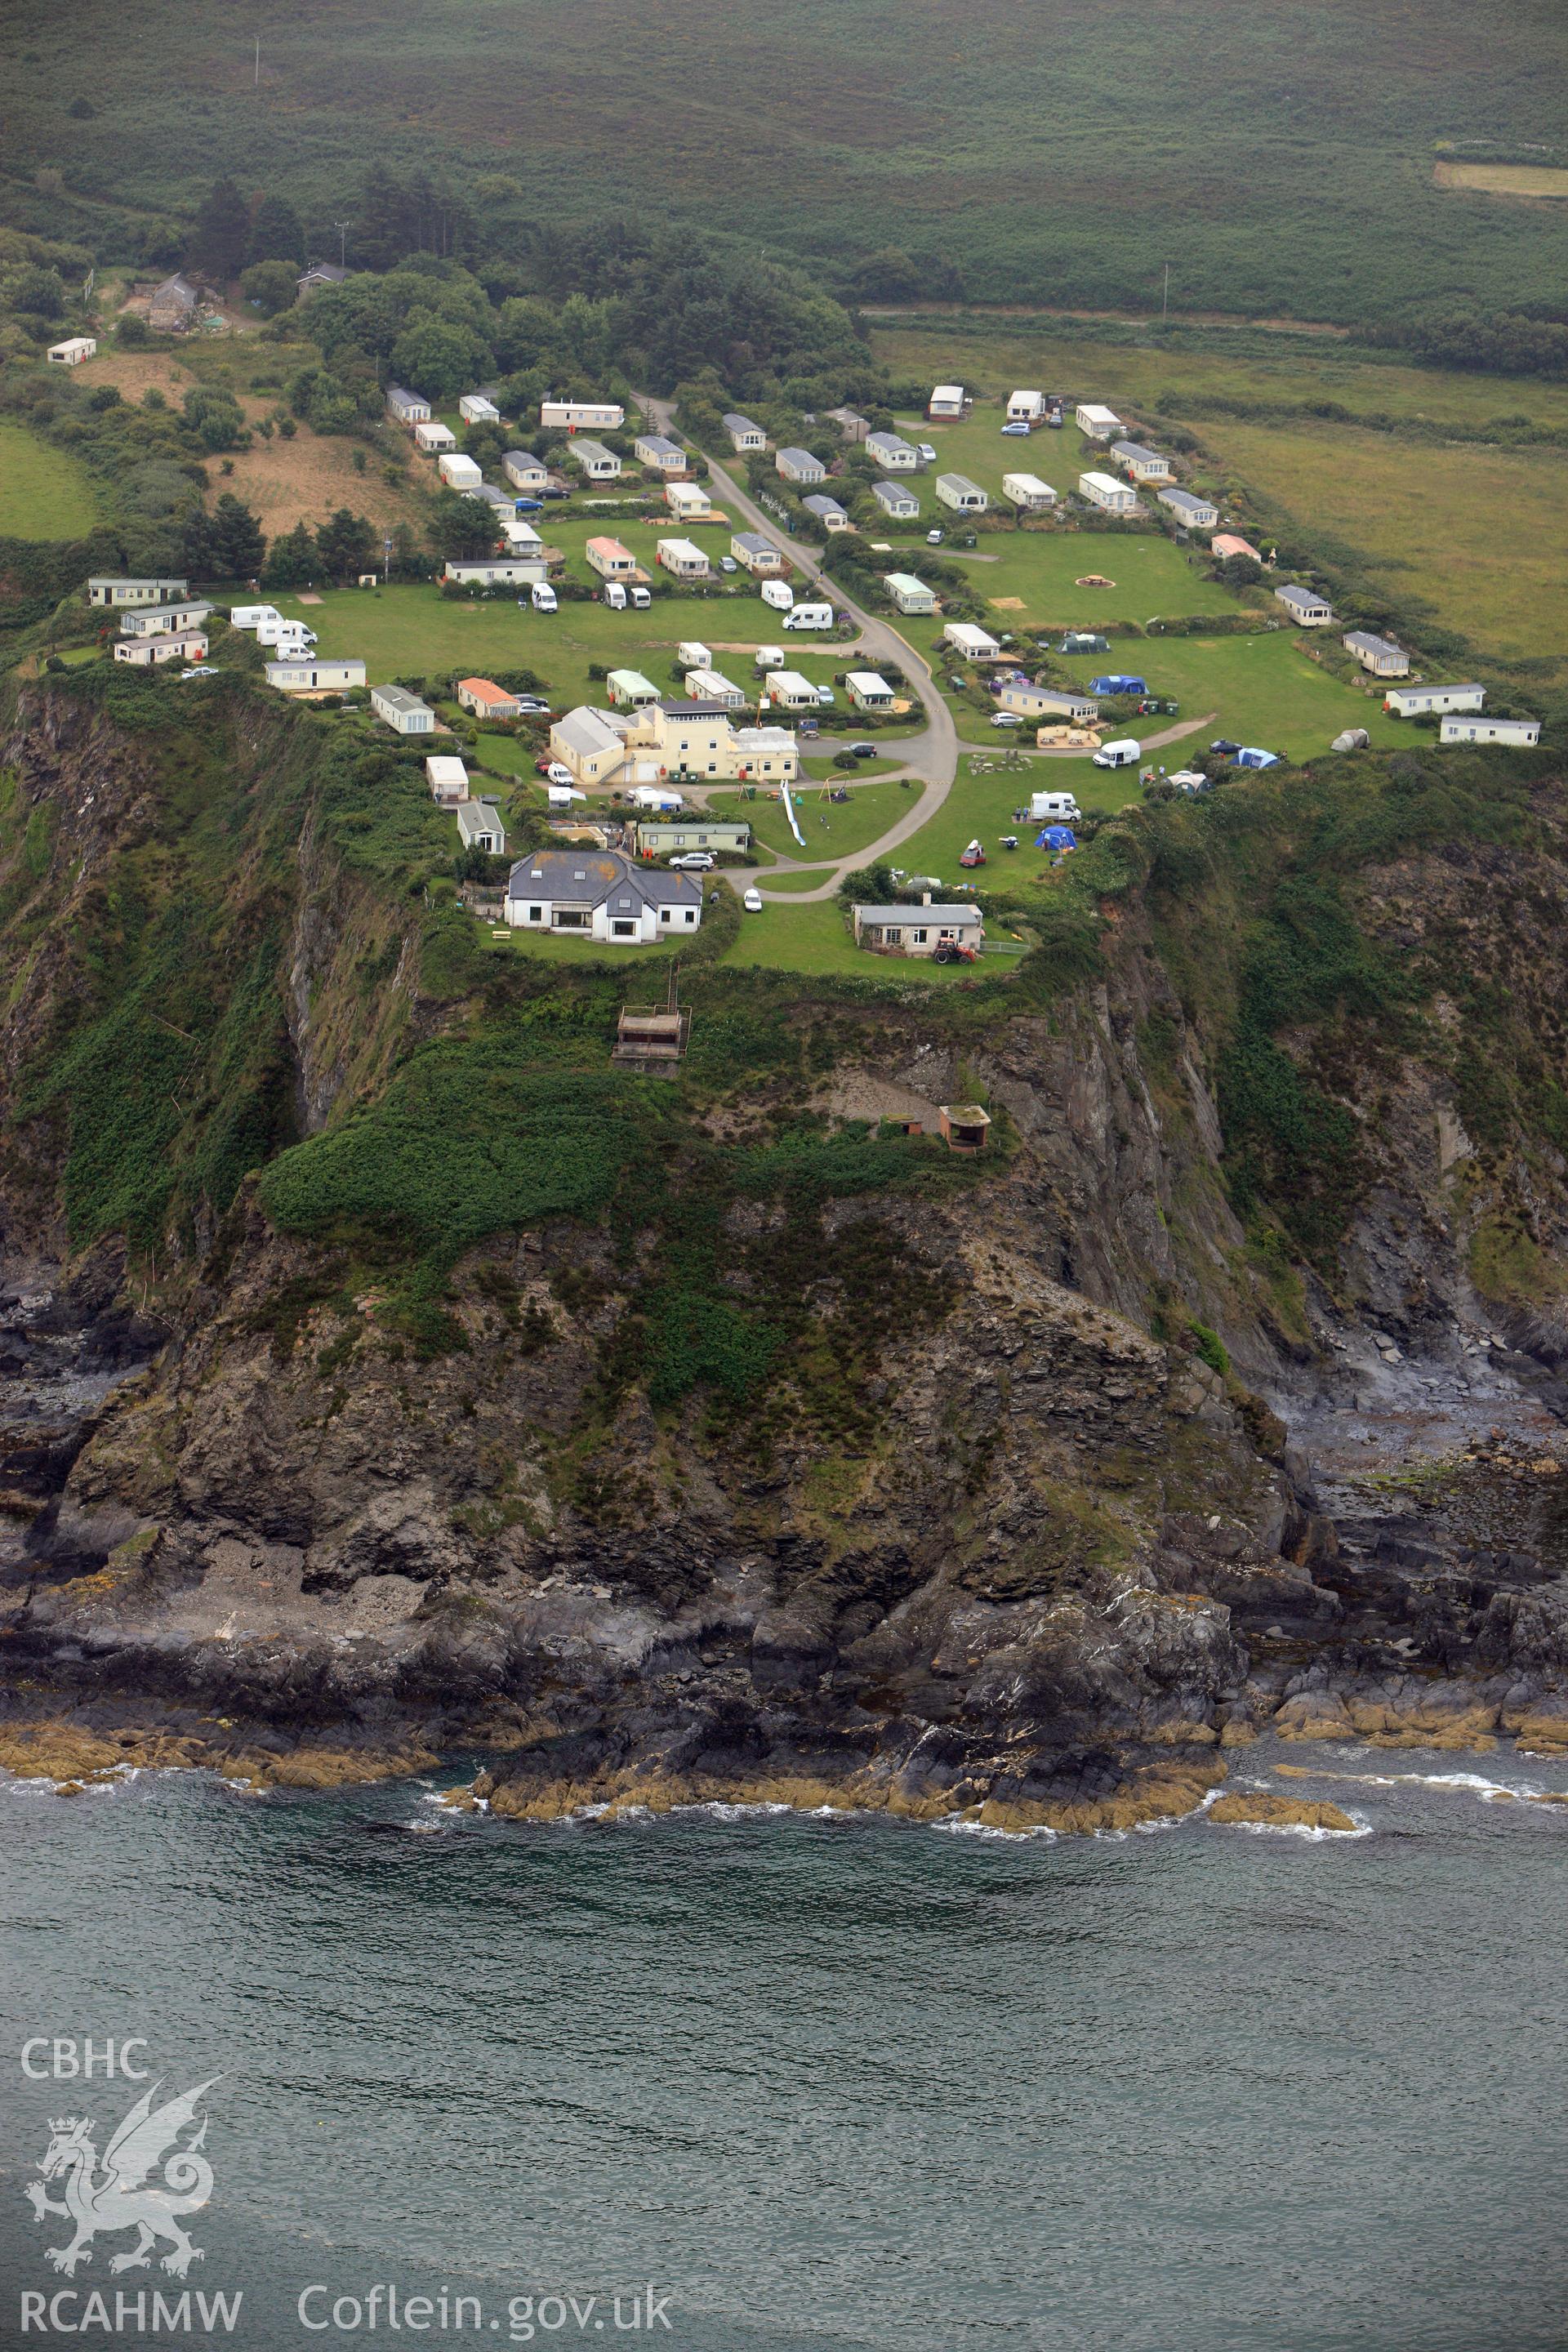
column 258, row 82
column 1165, row 306
column 342, row 230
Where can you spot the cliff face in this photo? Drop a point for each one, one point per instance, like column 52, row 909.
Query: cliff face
column 1004, row 1516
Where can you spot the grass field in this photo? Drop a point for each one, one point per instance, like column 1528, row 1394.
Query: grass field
column 44, row 493
column 1503, row 179
column 831, row 829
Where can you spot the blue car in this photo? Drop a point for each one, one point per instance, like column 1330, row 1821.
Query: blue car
column 528, row 506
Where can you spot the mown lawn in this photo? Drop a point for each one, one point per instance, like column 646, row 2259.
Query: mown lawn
column 831, row 829
column 44, row 492
column 816, row 939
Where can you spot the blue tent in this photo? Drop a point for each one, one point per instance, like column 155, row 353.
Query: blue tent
column 1118, row 682
column 1056, row 836
column 1249, row 756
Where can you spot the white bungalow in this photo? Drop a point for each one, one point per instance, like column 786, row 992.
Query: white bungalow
column 601, row 895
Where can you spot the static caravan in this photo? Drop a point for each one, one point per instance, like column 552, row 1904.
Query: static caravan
column 104, row 588
column 1191, row 512
column 404, row 713
column 684, row 558
column 743, row 435
column 520, row 537
column 1520, row 731
column 1027, row 493
column 1025, row 407
column 496, row 572
column 314, row 675
column 1095, row 423
column 975, row 645
column 582, row 416
column 657, row 451
column 480, row 824
column 791, row 690
column 479, row 408
column 610, row 559
column 692, row 654
column 868, row 691
column 629, row 690
column 756, row 555
column 433, row 437
column 404, row 407
column 1381, row 655
column 1104, row 490
column 798, row 465
column 964, row 497
column 685, row 499
column 446, row 777
column 1410, row 701
column 1305, row 606
column 186, row 645
column 946, row 400
column 485, row 699
column 598, row 463
column 459, row 473
column 893, row 453
column 1141, row 465
column 164, row 620
column 705, row 685
column 525, row 471
column 899, row 504
column 1046, row 702
column 828, row 512
column 72, row 351
column 910, row 594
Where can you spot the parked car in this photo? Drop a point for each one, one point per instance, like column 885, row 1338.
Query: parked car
column 927, row 452
column 543, row 767
column 528, row 506
column 1223, row 746
column 557, row 772
column 861, row 751
column 696, row 861
column 1017, row 431
column 753, row 901
column 973, row 855
column 825, row 696
column 1006, row 718
column 933, row 538
column 728, row 564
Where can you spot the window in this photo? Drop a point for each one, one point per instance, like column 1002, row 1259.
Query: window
column 623, row 930
column 692, row 914
column 919, row 938
column 536, row 914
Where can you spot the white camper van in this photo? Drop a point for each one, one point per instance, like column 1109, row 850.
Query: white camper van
column 808, row 616
column 280, row 632
column 641, row 599
column 1123, row 754
column 778, row 594
column 1054, row 808
column 543, row 596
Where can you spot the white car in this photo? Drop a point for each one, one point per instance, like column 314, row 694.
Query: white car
column 753, row 901
column 927, row 452
column 696, row 861
column 933, row 538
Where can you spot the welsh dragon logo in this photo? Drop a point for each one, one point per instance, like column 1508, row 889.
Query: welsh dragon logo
column 126, row 2194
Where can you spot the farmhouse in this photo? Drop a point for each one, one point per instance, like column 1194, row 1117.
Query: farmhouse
column 657, row 451
column 1378, row 655
column 484, row 699
column 1141, row 465
column 72, row 351
column 661, row 838
column 105, row 588
column 172, row 308
column 1025, row 407
column 899, row 504
column 829, row 513
column 916, row 931
column 1027, row 493
column 479, row 408
column 163, row 620
column 1104, row 490
column 910, row 594
column 686, row 500
column 628, row 690
column 479, row 824
column 964, row 497
column 1227, row 543
column 446, row 777
column 1193, row 512
column 596, row 463
column 946, row 400
column 402, row 711
column 525, row 471
column 757, row 556
column 1046, row 702
column 303, row 674
column 1409, row 701
column 611, row 560
column 496, row 571
column 893, row 453
column 186, row 645
column 975, row 645
column 868, row 691
column 1523, row 731
column 799, row 466
column 684, row 558
column 405, row 407
column 705, row 685
column 432, row 437
column 743, row 435
column 791, row 690
column 459, row 473
column 602, row 896
column 582, row 416
column 1096, row 423
column 1305, row 606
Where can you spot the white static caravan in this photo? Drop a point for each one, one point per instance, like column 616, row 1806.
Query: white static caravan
column 1522, row 732
column 183, row 646
column 405, row 407
column 964, row 497
column 496, row 572
column 1139, row 463
column 686, row 500
column 1025, row 407
column 479, row 408
column 480, row 826
column 629, row 690
column 893, row 453
column 403, row 712
column 1027, row 493
column 898, row 502
column 72, row 351
column 684, row 558
column 946, row 400
column 446, row 777
column 1410, row 701
column 1095, row 423
column 105, row 588
column 582, row 416
column 868, row 691
column 597, row 463
column 525, row 471
column 432, row 436
column 315, row 676
column 975, row 645
column 909, row 593
column 792, row 691
column 1111, row 497
column 1191, row 512
column 692, row 654
column 743, row 434
column 459, row 473
column 705, row 685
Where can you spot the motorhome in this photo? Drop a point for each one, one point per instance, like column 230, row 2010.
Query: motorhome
column 809, row 616
column 1062, row 806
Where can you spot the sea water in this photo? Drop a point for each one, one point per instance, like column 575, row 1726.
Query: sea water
column 762, row 2081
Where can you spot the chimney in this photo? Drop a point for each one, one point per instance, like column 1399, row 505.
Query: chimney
column 925, row 897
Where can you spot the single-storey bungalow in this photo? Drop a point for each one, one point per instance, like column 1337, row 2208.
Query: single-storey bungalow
column 1104, row 490
column 946, row 400
column 684, row 558
column 484, row 699
column 916, row 931
column 582, row 416
column 184, row 645
column 704, row 685
column 602, row 896
column 446, row 777
column 405, row 407
column 1409, row 701
column 964, row 497
column 1381, row 655
column 1520, row 731
column 975, row 645
column 893, row 453
column 479, row 408
column 1191, row 512
column 163, row 620
column 610, row 559
column 1139, row 463
column 799, row 466
column 791, row 690
column 1046, row 702
column 73, row 351
column 900, row 504
column 868, row 691
column 828, row 512
column 1227, row 543
column 666, row 837
column 686, row 499
column 660, row 452
column 1027, row 493
column 108, row 588
column 743, row 435
column 479, row 824
column 320, row 274
column 756, row 555
column 172, row 308
column 1095, row 423
column 910, row 594
column 402, row 711
column 496, row 571
column 628, row 690
column 1305, row 606
column 432, row 437
column 525, row 471
column 457, row 471
column 1025, row 407
column 307, row 675
column 598, row 463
